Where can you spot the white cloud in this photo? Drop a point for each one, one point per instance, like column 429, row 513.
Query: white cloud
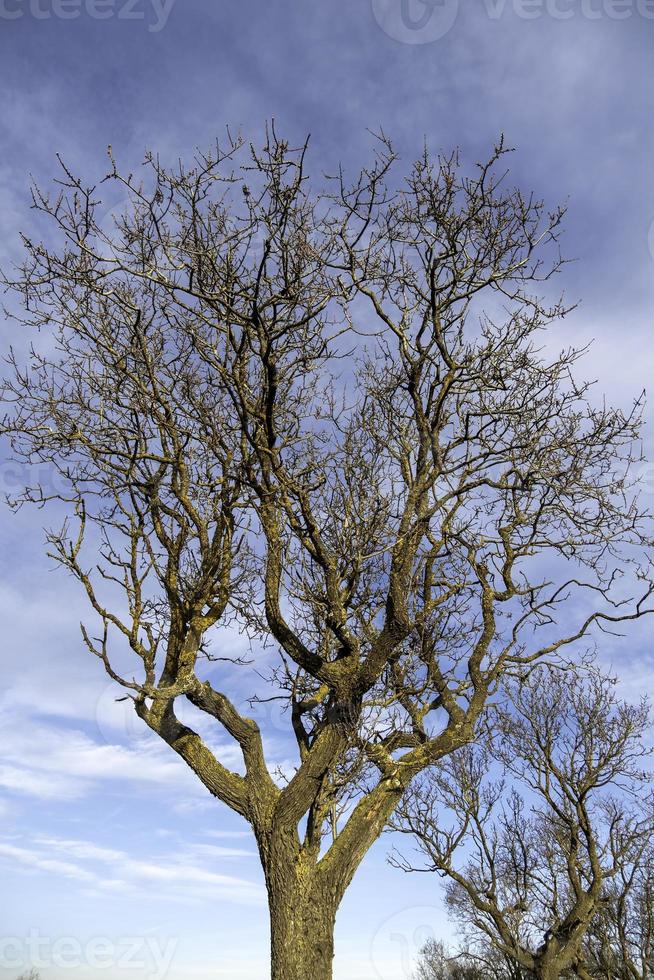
column 58, row 763
column 80, row 850
column 220, row 834
column 46, row 786
column 216, row 851
column 40, row 862
column 53, row 762
column 186, row 876
column 6, row 809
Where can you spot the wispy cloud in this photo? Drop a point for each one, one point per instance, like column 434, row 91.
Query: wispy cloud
column 189, row 874
column 40, row 862
column 51, row 762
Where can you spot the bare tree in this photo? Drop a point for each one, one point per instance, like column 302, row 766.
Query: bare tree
column 620, row 942
column 543, row 849
column 280, row 408
column 434, row 962
column 437, row 963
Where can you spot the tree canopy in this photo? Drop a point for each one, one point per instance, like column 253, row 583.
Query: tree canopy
column 322, row 413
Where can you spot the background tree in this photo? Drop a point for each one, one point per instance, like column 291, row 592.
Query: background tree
column 620, row 942
column 280, row 408
column 436, row 962
column 544, row 849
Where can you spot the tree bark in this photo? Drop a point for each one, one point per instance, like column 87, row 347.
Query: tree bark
column 301, row 938
column 302, row 909
column 546, row 971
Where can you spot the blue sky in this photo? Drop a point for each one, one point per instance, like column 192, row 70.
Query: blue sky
column 104, row 837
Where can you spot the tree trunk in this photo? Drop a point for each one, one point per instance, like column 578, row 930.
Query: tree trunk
column 546, row 971
column 302, row 912
column 301, row 939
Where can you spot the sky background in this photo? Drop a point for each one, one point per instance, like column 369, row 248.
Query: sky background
column 113, row 860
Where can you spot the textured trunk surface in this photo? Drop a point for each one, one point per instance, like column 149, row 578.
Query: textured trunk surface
column 302, row 913
column 546, row 972
column 548, row 968
column 302, row 940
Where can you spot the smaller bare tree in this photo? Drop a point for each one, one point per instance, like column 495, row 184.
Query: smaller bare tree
column 544, row 817
column 620, row 942
column 436, row 962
